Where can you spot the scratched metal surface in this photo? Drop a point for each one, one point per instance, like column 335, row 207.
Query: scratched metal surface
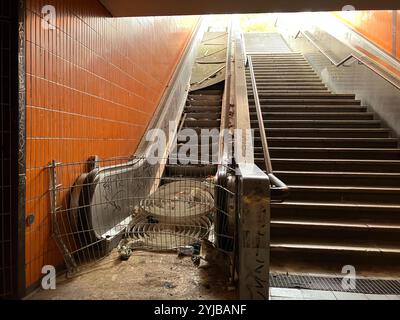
column 210, row 63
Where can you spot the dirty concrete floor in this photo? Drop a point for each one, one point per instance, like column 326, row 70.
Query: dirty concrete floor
column 147, row 276
column 152, row 276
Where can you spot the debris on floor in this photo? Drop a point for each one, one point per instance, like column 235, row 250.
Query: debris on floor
column 146, row 276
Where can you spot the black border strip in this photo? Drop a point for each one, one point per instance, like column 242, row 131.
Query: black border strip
column 21, row 131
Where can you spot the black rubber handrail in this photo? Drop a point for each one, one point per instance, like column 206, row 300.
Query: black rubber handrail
column 279, row 190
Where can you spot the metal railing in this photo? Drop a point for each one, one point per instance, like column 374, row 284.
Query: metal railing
column 279, row 190
column 383, row 74
column 222, row 175
column 243, row 43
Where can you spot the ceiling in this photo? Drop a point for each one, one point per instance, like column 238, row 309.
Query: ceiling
column 129, row 8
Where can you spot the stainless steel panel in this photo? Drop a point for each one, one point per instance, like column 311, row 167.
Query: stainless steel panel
column 374, row 92
column 254, row 232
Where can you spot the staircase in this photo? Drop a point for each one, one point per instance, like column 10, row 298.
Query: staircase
column 341, row 164
column 202, row 112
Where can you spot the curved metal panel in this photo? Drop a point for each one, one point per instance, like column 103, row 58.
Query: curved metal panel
column 109, row 196
column 210, row 66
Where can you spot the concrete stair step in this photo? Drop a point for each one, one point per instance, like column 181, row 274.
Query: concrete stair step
column 326, row 178
column 304, row 101
column 335, row 232
column 277, row 77
column 345, row 195
column 322, row 123
column 335, row 165
column 323, row 211
column 286, row 81
column 279, row 65
column 265, row 60
column 317, row 116
column 262, row 92
column 283, row 73
column 280, row 56
column 305, row 108
column 281, row 69
column 327, row 132
column 275, row 85
column 264, row 82
column 333, row 256
column 322, row 142
column 335, row 153
column 297, row 96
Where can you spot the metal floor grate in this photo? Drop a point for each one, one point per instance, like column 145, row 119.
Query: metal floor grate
column 327, row 283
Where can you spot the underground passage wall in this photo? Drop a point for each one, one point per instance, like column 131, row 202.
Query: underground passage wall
column 92, row 85
column 380, row 27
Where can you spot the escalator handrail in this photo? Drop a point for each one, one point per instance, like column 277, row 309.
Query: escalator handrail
column 347, row 58
column 279, row 190
column 223, row 154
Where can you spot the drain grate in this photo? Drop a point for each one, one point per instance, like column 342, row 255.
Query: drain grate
column 326, row 283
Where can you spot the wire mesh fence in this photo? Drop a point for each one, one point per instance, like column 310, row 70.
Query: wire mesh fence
column 133, row 204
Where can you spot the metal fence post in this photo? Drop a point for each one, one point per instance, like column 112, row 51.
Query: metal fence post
column 53, row 189
column 254, row 232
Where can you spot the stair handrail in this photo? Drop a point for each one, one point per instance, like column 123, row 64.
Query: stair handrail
column 279, row 190
column 347, row 58
column 243, row 42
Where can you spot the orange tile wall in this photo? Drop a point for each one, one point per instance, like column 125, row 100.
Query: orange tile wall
column 93, row 84
column 376, row 26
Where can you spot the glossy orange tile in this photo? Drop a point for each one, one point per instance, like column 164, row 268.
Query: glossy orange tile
column 376, row 26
